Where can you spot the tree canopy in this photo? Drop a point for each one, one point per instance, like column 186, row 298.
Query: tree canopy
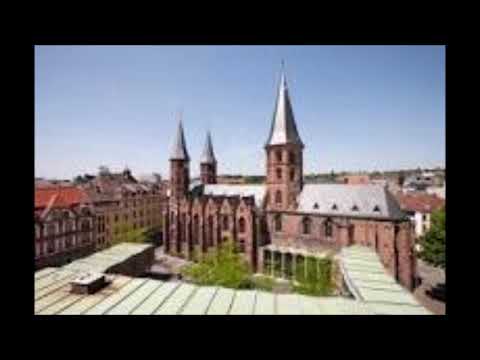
column 433, row 242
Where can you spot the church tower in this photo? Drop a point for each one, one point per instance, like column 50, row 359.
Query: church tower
column 179, row 166
column 284, row 150
column 208, row 163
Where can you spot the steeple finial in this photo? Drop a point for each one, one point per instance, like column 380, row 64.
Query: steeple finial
column 179, row 150
column 284, row 129
column 208, row 157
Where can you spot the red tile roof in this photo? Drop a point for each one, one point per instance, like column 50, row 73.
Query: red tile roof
column 60, row 196
column 424, row 203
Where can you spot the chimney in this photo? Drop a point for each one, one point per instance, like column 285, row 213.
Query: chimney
column 87, row 283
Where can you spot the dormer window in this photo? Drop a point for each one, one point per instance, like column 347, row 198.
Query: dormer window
column 315, row 206
column 354, row 208
column 376, row 208
column 334, row 207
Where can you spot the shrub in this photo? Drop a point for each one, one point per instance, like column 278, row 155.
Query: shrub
column 317, row 280
column 222, row 267
column 262, row 282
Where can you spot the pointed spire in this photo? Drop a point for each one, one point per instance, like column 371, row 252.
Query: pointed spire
column 208, row 157
column 284, row 129
column 179, row 150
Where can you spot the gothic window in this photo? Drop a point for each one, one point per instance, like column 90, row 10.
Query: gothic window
column 279, row 173
column 210, row 231
column 306, row 225
column 278, row 154
column 241, row 225
column 291, row 157
column 315, row 206
column 334, row 207
column 278, row 222
column 195, row 229
column 328, row 228
column 225, row 222
column 376, row 208
column 292, row 174
column 278, row 197
column 354, row 208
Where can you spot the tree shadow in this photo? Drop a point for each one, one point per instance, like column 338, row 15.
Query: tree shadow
column 437, row 292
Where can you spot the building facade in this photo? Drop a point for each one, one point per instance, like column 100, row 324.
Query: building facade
column 283, row 212
column 419, row 208
column 64, row 226
column 122, row 203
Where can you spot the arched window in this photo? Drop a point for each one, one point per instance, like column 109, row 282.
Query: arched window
column 292, row 174
column 315, row 206
column 328, row 228
column 196, row 231
column 278, row 197
column 210, row 231
column 334, row 207
column 278, row 154
column 241, row 225
column 376, row 208
column 225, row 222
column 306, row 225
column 279, row 173
column 291, row 157
column 354, row 208
column 278, row 222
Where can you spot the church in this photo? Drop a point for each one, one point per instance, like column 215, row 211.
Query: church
column 284, row 216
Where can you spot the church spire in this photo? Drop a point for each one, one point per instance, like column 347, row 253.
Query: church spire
column 208, row 157
column 284, row 129
column 179, row 150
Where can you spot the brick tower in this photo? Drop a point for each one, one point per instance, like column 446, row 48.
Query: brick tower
column 179, row 166
column 208, row 163
column 284, row 150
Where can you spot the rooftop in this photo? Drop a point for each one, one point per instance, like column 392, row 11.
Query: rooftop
column 59, row 196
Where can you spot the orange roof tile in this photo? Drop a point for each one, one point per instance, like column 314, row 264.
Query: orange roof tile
column 65, row 196
column 424, row 203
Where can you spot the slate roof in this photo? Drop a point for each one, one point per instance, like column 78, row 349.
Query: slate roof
column 350, row 200
column 283, row 130
column 257, row 191
column 179, row 150
column 208, row 157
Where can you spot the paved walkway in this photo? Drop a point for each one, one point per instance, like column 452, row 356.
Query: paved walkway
column 431, row 277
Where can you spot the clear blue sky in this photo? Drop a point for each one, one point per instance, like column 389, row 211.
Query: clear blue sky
column 356, row 107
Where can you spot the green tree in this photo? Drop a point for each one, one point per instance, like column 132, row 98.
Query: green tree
column 433, row 242
column 221, row 267
column 124, row 232
column 316, row 278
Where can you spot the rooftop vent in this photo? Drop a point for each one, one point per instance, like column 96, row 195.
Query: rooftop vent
column 87, row 283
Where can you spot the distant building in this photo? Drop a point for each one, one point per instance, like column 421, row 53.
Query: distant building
column 355, row 179
column 419, row 207
column 64, row 225
column 121, row 202
column 439, row 191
